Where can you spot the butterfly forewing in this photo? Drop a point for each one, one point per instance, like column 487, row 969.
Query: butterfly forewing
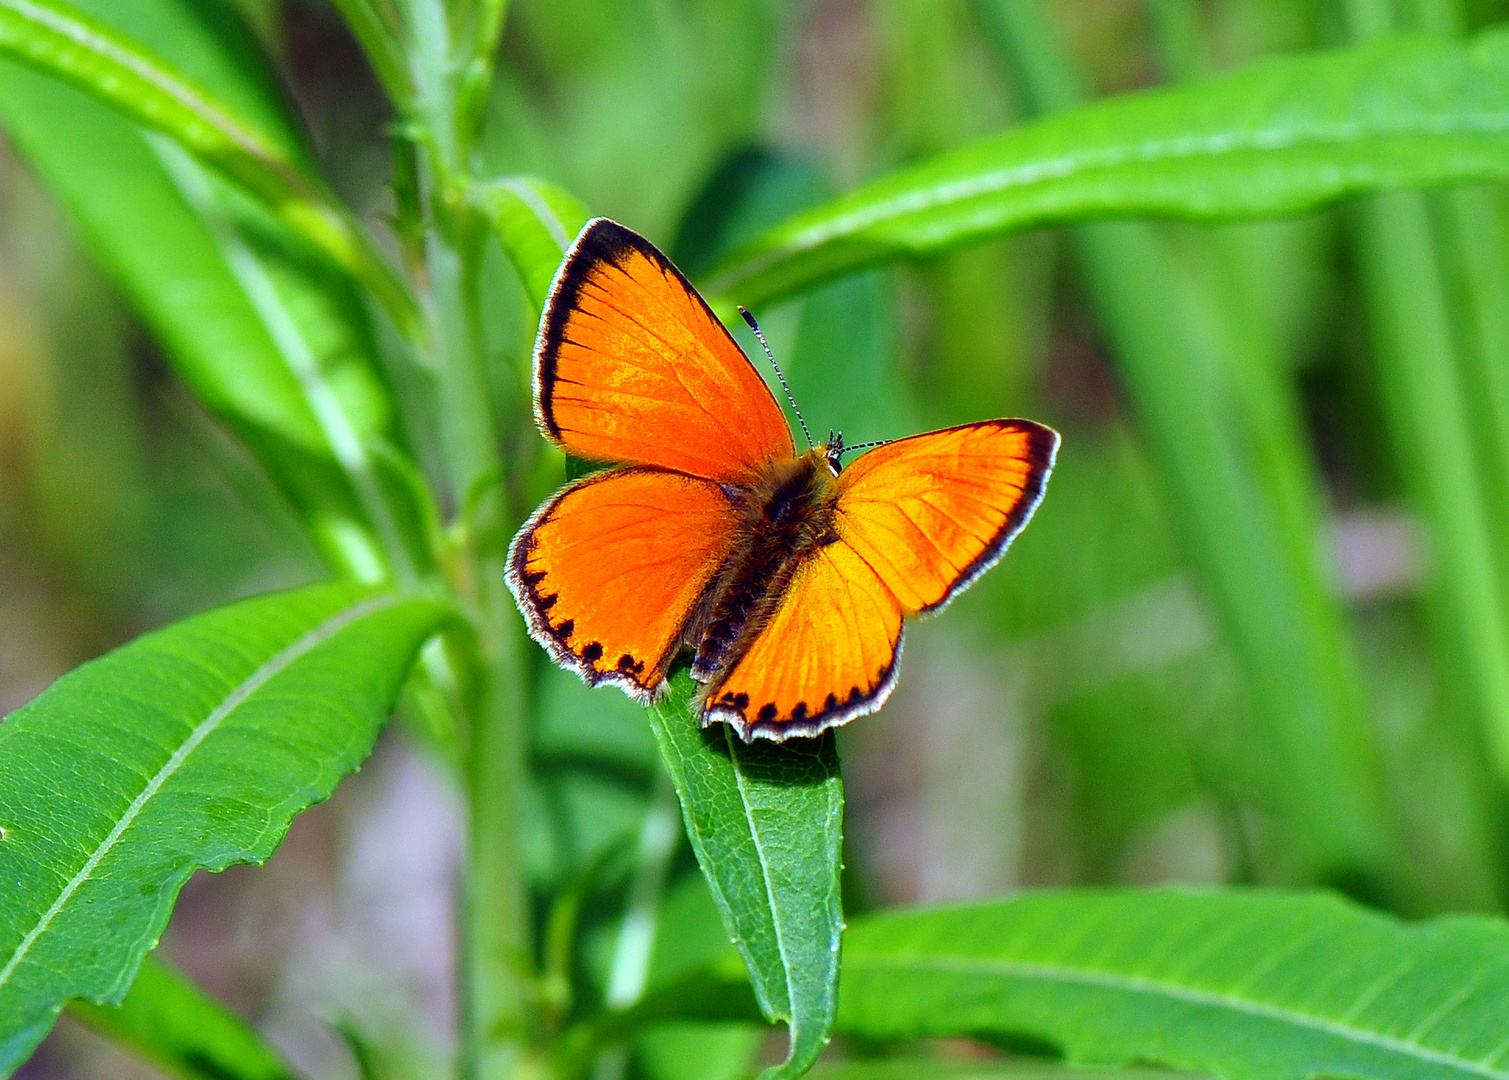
column 932, row 512
column 632, row 366
column 610, row 570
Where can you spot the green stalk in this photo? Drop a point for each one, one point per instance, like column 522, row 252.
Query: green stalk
column 659, row 836
column 476, row 67
column 496, row 939
column 1469, row 223
column 1432, row 267
column 1225, row 431
column 380, row 42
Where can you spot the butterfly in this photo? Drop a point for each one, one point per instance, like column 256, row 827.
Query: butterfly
column 788, row 575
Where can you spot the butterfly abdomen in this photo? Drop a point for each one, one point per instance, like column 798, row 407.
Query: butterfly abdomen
column 786, row 514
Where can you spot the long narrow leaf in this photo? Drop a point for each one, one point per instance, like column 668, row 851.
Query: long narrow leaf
column 1279, row 136
column 1222, row 426
column 535, row 221
column 172, row 1023
column 276, row 346
column 765, row 821
column 1436, row 377
column 192, row 747
column 934, row 1069
column 59, row 40
column 1245, row 986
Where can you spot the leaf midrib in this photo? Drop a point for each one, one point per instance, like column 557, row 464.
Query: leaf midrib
column 767, row 881
column 537, row 205
column 1187, row 995
column 85, row 37
column 269, row 670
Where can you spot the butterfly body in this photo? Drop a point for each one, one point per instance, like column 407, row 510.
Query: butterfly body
column 786, row 512
column 787, row 575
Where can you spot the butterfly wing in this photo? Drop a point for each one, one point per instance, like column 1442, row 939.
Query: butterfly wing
column 917, row 520
column 827, row 655
column 610, row 570
column 632, row 366
column 933, row 512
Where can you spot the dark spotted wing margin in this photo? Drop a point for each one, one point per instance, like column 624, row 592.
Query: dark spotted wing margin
column 609, row 571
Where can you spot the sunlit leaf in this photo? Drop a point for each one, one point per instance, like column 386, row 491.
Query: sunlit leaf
column 1003, row 1069
column 535, row 221
column 1279, row 136
column 275, row 345
column 63, row 42
column 194, row 746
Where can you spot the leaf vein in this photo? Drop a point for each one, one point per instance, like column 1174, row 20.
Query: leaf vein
column 206, row 727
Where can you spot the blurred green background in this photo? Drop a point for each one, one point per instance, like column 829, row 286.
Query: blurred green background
column 1277, row 431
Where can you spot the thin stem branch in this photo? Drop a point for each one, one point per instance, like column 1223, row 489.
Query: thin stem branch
column 383, row 49
column 496, row 961
column 476, row 67
column 659, row 837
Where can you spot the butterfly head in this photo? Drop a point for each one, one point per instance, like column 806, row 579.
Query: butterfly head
column 832, row 452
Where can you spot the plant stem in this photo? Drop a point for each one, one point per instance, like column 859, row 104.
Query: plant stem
column 497, row 959
column 1427, row 263
column 659, row 836
column 495, row 936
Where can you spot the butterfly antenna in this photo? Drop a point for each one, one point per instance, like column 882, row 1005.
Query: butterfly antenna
column 864, row 445
column 750, row 319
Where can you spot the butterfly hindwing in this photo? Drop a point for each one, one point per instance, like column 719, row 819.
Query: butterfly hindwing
column 610, row 570
column 932, row 512
column 632, row 366
column 916, row 521
column 827, row 654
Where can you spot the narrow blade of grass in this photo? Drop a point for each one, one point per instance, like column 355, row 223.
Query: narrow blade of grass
column 1210, row 414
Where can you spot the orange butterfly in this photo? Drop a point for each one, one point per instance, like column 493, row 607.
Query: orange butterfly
column 788, row 574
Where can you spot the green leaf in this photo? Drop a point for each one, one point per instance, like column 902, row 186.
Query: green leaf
column 765, row 821
column 933, row 1069
column 63, row 42
column 535, row 221
column 191, row 747
column 1243, row 985
column 1280, row 136
column 277, row 347
column 176, row 1025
